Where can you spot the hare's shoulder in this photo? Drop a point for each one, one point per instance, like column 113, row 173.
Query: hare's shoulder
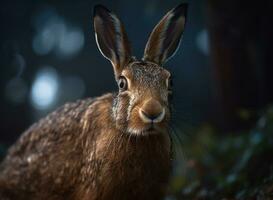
column 44, row 151
column 59, row 127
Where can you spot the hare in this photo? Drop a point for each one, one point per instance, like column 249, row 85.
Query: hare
column 116, row 146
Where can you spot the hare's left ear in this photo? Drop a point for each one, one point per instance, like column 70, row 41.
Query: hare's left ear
column 166, row 36
column 111, row 38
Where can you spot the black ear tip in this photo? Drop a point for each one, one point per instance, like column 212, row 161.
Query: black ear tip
column 99, row 9
column 181, row 9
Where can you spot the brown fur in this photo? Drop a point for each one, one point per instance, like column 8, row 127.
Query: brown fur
column 102, row 148
column 51, row 161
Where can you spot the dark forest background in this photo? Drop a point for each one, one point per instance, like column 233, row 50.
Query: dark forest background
column 222, row 78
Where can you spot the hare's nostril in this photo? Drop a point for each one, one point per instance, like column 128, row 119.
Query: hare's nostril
column 152, row 111
column 152, row 117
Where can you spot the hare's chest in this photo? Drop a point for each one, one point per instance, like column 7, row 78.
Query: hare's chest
column 133, row 170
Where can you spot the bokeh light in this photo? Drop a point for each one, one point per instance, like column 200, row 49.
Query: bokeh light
column 202, row 42
column 70, row 42
column 55, row 35
column 45, row 88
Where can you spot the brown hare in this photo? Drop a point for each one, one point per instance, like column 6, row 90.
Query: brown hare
column 116, row 146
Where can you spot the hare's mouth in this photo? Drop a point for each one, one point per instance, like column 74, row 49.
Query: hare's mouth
column 148, row 130
column 142, row 123
column 152, row 130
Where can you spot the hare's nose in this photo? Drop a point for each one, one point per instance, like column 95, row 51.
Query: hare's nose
column 152, row 111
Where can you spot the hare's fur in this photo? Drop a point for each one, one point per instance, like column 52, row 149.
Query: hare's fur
column 90, row 164
column 116, row 146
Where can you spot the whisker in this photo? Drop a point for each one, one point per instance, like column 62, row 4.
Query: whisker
column 180, row 155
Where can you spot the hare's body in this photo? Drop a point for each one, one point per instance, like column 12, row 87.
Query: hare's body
column 117, row 166
column 113, row 147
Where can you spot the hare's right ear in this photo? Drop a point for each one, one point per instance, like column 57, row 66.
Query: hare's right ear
column 111, row 38
column 166, row 36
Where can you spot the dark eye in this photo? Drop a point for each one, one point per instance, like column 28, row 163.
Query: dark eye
column 122, row 83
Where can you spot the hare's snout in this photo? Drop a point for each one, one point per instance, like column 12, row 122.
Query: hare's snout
column 152, row 112
column 148, row 117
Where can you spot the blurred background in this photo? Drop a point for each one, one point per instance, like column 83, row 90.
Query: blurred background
column 222, row 77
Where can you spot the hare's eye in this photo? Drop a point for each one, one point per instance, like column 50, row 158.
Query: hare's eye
column 122, row 83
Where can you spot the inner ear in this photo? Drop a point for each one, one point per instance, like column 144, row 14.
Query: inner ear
column 166, row 36
column 111, row 38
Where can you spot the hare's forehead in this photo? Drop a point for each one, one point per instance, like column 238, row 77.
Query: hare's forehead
column 146, row 74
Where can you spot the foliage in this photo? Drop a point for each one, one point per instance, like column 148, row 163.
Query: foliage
column 227, row 166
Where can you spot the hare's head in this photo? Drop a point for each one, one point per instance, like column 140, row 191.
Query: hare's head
column 142, row 104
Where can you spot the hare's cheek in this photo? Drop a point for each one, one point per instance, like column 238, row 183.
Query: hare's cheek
column 135, row 124
column 120, row 109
